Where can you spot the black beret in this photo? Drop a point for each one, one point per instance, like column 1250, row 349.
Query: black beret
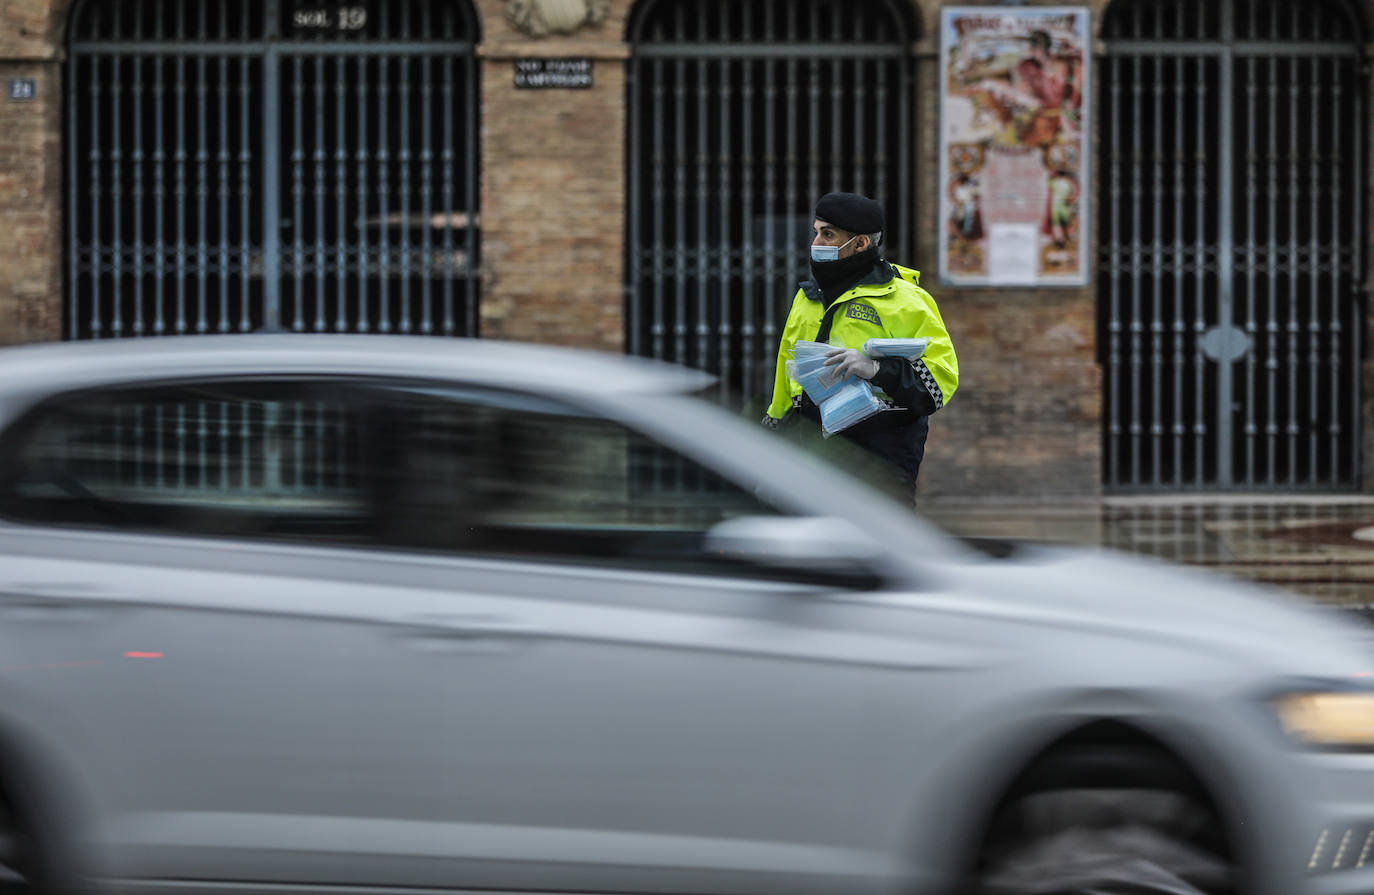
column 850, row 211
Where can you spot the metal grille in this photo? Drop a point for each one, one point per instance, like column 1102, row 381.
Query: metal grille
column 742, row 113
column 264, row 165
column 1231, row 275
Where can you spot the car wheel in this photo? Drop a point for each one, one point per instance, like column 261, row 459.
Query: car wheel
column 1104, row 842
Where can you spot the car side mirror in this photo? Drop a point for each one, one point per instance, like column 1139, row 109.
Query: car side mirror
column 821, row 550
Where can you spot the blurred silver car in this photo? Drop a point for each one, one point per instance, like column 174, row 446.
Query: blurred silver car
column 326, row 614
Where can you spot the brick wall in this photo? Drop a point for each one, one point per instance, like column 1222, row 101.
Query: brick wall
column 1027, row 414
column 31, row 173
column 553, row 215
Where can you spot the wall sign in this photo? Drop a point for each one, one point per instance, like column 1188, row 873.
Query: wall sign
column 329, row 18
column 553, row 73
column 1014, row 146
column 23, row 89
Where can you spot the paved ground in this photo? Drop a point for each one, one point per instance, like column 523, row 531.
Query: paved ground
column 1320, row 547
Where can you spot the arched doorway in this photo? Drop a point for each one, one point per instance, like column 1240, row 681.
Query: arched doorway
column 1232, row 231
column 240, row 166
column 741, row 113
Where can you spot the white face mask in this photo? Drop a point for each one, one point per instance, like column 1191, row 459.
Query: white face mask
column 829, row 253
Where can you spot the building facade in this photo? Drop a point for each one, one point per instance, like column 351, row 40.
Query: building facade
column 637, row 175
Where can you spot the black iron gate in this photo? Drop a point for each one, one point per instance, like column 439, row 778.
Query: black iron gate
column 243, row 165
column 741, row 113
column 1231, row 280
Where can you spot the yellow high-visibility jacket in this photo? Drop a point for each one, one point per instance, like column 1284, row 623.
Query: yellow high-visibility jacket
column 895, row 308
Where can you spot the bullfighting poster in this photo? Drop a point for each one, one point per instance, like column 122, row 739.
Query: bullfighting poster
column 1014, row 146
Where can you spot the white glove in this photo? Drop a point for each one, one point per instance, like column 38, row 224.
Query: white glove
column 851, row 362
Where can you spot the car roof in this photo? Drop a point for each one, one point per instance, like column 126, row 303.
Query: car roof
column 56, row 366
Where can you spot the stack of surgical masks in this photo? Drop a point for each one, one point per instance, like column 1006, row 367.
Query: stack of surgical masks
column 841, row 401
column 844, row 402
column 911, row 349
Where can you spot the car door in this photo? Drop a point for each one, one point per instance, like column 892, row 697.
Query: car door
column 614, row 707
column 173, row 628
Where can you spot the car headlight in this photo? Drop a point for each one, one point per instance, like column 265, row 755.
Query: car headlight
column 1328, row 718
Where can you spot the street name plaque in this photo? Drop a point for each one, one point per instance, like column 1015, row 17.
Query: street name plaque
column 544, row 74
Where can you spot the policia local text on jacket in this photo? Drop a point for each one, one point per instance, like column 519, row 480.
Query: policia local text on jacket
column 885, row 303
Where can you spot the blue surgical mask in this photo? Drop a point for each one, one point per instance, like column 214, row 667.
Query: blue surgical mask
column 829, row 253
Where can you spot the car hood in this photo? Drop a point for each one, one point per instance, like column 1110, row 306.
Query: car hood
column 1148, row 597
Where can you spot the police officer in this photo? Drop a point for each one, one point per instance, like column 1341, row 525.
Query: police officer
column 854, row 295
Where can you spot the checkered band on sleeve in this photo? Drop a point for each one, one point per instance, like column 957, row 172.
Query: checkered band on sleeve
column 929, row 382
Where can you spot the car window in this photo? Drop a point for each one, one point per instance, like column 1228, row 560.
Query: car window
column 257, row 459
column 509, row 474
column 394, row 465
